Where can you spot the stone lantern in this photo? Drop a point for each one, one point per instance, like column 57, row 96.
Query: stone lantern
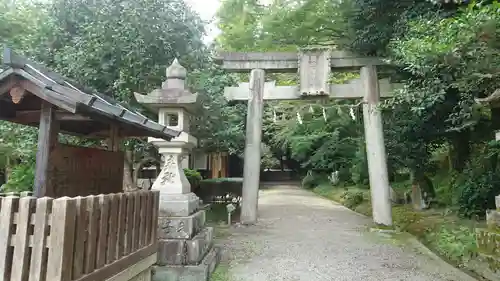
column 185, row 244
column 174, row 103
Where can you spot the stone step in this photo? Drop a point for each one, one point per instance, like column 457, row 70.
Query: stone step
column 200, row 272
column 178, row 205
column 199, row 246
column 185, row 251
column 181, row 227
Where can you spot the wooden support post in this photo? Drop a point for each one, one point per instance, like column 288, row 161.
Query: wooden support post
column 375, row 149
column 114, row 138
column 47, row 139
column 251, row 169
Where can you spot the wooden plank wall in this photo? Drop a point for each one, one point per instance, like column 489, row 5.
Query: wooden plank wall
column 81, row 238
column 219, row 162
column 82, row 171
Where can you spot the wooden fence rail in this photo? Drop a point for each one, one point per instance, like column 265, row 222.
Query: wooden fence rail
column 76, row 239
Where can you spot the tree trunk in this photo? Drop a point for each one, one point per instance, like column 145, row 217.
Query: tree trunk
column 416, row 191
column 128, row 181
column 422, row 190
column 460, row 150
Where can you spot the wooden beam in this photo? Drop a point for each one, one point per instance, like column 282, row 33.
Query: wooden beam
column 5, row 88
column 47, row 139
column 33, row 116
column 9, row 81
column 49, row 96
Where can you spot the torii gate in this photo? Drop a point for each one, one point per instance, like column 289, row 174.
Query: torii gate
column 314, row 66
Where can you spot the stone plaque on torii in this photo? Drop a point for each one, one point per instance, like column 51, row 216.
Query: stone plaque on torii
column 314, row 67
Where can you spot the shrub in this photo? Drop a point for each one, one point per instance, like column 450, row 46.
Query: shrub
column 405, row 216
column 444, row 185
column 312, row 180
column 359, row 168
column 22, row 178
column 308, row 181
column 352, row 199
column 229, row 188
column 194, row 178
column 457, row 244
column 476, row 193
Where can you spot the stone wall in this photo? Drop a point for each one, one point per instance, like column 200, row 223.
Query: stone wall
column 488, row 242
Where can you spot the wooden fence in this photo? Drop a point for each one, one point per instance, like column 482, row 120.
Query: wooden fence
column 81, row 238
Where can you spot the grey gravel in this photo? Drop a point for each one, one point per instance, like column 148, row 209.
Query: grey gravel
column 302, row 237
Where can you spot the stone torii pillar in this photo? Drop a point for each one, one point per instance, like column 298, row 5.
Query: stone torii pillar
column 251, row 165
column 185, row 243
column 314, row 66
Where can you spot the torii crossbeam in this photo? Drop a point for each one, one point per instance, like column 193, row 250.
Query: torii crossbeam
column 314, row 67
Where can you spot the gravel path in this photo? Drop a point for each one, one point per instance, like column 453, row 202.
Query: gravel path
column 302, row 237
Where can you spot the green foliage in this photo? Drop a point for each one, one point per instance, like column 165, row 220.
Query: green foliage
column 267, row 159
column 18, row 141
column 247, row 25
column 194, row 178
column 319, row 145
column 445, row 185
column 119, row 47
column 405, row 217
column 114, row 47
column 312, row 180
column 359, row 168
column 21, row 178
column 457, row 244
column 476, row 193
column 218, row 125
column 221, row 273
column 367, row 26
column 352, row 199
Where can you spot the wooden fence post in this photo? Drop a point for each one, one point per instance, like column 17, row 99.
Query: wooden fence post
column 93, row 210
column 62, row 237
column 142, row 220
column 154, row 217
column 122, row 212
column 9, row 207
column 113, row 228
column 20, row 260
column 102, row 238
column 38, row 268
column 80, row 237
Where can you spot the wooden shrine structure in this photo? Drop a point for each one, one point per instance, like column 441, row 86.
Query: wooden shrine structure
column 80, row 225
column 314, row 66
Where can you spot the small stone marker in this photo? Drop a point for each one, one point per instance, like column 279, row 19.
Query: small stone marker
column 230, row 209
